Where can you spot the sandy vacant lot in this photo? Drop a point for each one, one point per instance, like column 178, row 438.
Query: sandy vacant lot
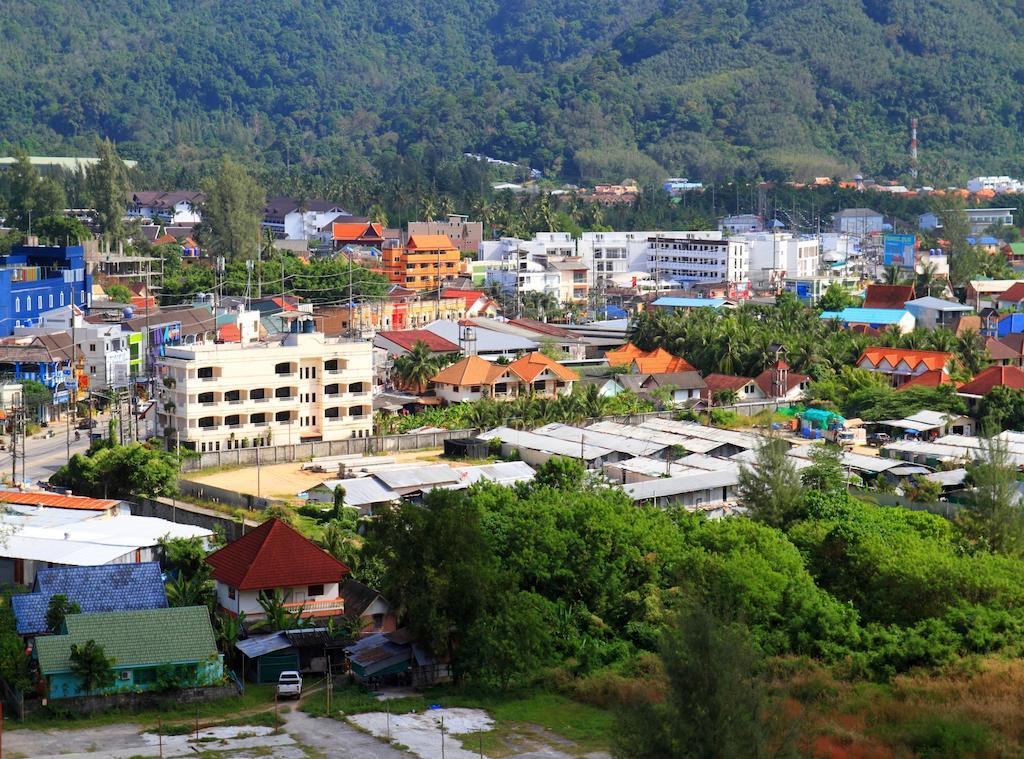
column 285, row 481
column 422, row 732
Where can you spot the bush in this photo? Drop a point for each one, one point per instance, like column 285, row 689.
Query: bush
column 935, row 737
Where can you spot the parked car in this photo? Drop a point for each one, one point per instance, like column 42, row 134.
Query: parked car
column 87, row 424
column 289, row 685
column 879, row 438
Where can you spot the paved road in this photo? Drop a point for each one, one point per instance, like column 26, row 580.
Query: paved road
column 44, row 455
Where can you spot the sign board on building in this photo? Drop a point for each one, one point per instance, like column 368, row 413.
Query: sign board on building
column 898, row 250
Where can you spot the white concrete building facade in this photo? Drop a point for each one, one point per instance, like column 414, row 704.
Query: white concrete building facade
column 781, row 254
column 693, row 261
column 302, row 386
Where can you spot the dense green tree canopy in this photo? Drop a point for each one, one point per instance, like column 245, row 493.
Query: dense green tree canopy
column 596, row 90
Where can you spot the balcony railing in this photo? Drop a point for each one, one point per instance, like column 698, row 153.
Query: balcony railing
column 317, row 607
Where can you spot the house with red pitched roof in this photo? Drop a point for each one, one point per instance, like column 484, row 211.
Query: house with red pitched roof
column 888, row 296
column 780, row 382
column 931, row 378
column 365, row 233
column 277, row 558
column 746, row 388
column 989, row 379
column 400, row 342
column 1012, row 299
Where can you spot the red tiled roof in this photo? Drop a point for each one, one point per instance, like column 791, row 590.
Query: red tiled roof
column 274, row 555
column 931, row 378
column 994, row 376
column 888, row 296
column 1013, row 294
column 717, row 382
column 407, row 338
column 764, row 379
column 1000, row 351
column 56, row 501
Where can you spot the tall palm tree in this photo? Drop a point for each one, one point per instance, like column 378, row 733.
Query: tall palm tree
column 926, row 283
column 378, row 215
column 428, row 208
column 415, row 369
column 971, row 351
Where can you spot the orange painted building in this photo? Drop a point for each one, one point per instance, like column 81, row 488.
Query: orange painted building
column 423, row 260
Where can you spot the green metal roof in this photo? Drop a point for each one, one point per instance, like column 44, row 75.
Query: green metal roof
column 133, row 638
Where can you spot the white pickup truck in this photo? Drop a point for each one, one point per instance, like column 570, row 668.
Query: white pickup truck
column 289, row 685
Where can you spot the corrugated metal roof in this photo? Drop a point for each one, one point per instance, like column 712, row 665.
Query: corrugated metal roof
column 667, row 487
column 258, row 645
column 416, row 476
column 361, row 491
column 609, row 440
column 545, row 443
column 502, row 472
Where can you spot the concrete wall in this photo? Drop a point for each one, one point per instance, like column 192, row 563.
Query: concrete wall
column 134, row 701
column 180, row 512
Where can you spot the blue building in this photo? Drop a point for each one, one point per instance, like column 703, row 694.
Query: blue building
column 34, row 279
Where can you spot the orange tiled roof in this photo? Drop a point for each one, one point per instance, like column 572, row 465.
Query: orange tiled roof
column 930, row 378
column 657, row 361
column 532, row 364
column 933, row 360
column 56, row 501
column 165, row 239
column 354, row 231
column 472, row 370
column 429, row 242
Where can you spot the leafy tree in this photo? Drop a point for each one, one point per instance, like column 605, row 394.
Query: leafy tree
column 561, row 473
column 415, row 368
column 339, row 501
column 441, row 569
column 60, row 230
column 770, row 489
column 35, row 395
column 189, row 590
column 513, row 640
column 826, row 472
column 184, row 556
column 29, row 197
column 120, row 471
column 923, row 491
column 1002, row 408
column 232, row 213
column 90, row 663
column 836, row 298
column 996, row 516
column 715, row 703
column 277, row 615
column 57, row 610
column 119, row 293
column 108, row 186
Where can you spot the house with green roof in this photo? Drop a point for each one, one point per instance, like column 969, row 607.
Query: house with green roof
column 149, row 648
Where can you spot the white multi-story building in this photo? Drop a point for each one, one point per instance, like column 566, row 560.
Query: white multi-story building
column 781, row 254
column 539, row 249
column 106, row 356
column 294, row 220
column 998, row 185
column 300, row 386
column 691, row 261
column 608, row 254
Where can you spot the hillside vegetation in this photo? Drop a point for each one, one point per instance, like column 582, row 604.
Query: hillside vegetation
column 590, row 90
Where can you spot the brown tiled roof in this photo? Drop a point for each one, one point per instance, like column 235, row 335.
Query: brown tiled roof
column 888, row 296
column 764, row 379
column 532, row 364
column 717, row 382
column 472, row 370
column 407, row 338
column 1001, row 351
column 931, row 378
column 1014, row 294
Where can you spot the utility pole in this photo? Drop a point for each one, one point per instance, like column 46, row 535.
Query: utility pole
column 14, row 445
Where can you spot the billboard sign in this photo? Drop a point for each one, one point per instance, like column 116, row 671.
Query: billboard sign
column 898, row 250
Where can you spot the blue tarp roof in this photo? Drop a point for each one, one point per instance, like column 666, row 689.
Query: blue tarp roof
column 669, row 302
column 110, row 587
column 853, row 315
column 614, row 312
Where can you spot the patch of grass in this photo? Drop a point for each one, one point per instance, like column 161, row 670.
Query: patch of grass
column 355, row 699
column 491, row 743
column 938, row 737
column 256, row 696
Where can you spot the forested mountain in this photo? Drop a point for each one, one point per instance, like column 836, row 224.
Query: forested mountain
column 591, row 89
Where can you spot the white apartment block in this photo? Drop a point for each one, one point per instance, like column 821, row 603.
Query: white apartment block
column 998, row 185
column 782, row 254
column 692, row 261
column 608, row 254
column 301, row 386
column 538, row 250
column 106, row 356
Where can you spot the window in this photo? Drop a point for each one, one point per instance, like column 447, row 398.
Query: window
column 17, row 305
column 233, row 419
column 333, row 413
column 92, row 347
column 207, row 421
column 231, row 593
column 282, row 416
column 145, row 675
column 331, row 366
column 205, row 372
column 257, row 395
column 205, row 398
column 62, row 297
column 51, row 300
column 233, row 395
column 258, row 418
column 315, row 590
column 331, row 389
column 39, row 302
column 283, row 392
column 378, row 621
column 283, row 368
